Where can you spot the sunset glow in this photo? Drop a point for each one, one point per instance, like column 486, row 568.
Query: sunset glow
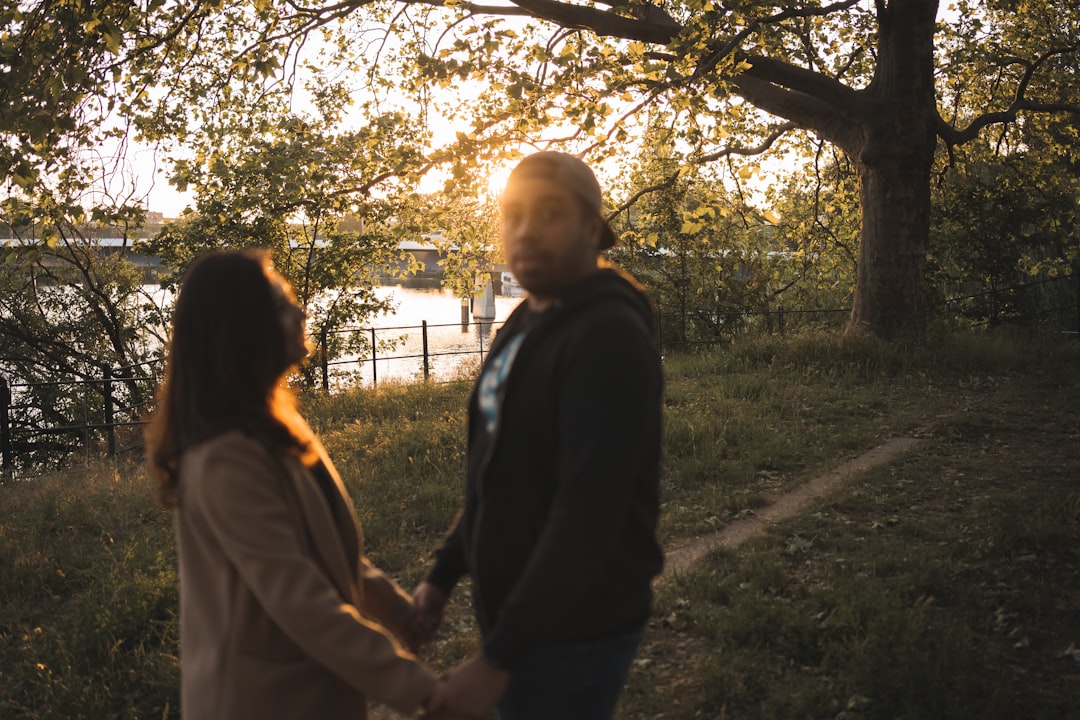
column 497, row 178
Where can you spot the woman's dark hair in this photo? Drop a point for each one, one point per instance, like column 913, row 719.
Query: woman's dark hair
column 226, row 365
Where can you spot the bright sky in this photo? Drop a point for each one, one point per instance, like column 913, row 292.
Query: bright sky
column 162, row 197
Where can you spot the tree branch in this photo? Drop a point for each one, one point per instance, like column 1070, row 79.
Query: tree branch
column 653, row 25
column 765, row 144
column 803, row 109
column 671, row 179
column 1019, row 104
column 802, row 80
column 721, row 50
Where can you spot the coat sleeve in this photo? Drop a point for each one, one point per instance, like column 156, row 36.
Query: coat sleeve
column 384, row 600
column 238, row 494
column 608, row 431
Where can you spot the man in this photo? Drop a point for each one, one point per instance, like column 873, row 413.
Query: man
column 562, row 486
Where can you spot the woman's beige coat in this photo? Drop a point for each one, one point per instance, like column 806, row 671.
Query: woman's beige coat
column 281, row 616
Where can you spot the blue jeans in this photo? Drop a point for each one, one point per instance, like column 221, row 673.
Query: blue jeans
column 570, row 682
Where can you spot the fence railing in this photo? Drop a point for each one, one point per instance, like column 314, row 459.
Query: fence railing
column 21, row 426
column 21, row 433
column 1020, row 303
column 405, row 343
column 24, row 429
column 104, row 415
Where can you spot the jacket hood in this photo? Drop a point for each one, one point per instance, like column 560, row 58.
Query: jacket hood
column 610, row 281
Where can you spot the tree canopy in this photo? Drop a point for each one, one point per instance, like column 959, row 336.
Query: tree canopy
column 894, row 85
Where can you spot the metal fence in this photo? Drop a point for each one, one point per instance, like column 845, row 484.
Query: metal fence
column 102, row 418
column 405, row 352
column 98, row 419
column 1051, row 301
column 94, row 413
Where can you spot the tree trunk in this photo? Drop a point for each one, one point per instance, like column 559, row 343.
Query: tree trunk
column 893, row 156
column 889, row 288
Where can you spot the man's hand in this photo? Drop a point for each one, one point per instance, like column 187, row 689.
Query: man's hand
column 429, row 602
column 472, row 688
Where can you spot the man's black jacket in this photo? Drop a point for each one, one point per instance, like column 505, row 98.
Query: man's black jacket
column 558, row 531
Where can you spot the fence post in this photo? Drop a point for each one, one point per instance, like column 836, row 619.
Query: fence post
column 659, row 329
column 780, row 318
column 480, row 337
column 427, row 367
column 110, row 427
column 374, row 372
column 5, row 423
column 324, row 361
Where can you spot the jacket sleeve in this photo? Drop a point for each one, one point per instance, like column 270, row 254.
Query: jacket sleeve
column 608, row 429
column 238, row 494
column 449, row 560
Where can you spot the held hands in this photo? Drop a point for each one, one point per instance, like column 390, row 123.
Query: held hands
column 470, row 690
column 428, row 605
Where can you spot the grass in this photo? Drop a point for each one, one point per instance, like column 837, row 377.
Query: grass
column 87, row 598
column 945, row 585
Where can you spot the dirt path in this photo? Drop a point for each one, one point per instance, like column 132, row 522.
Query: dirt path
column 739, row 531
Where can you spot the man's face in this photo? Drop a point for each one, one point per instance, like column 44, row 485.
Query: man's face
column 549, row 240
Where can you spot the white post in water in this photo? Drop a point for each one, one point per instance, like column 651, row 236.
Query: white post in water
column 484, row 303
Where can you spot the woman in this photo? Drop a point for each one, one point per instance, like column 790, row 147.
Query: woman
column 281, row 615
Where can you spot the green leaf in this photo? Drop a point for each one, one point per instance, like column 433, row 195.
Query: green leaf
column 113, row 39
